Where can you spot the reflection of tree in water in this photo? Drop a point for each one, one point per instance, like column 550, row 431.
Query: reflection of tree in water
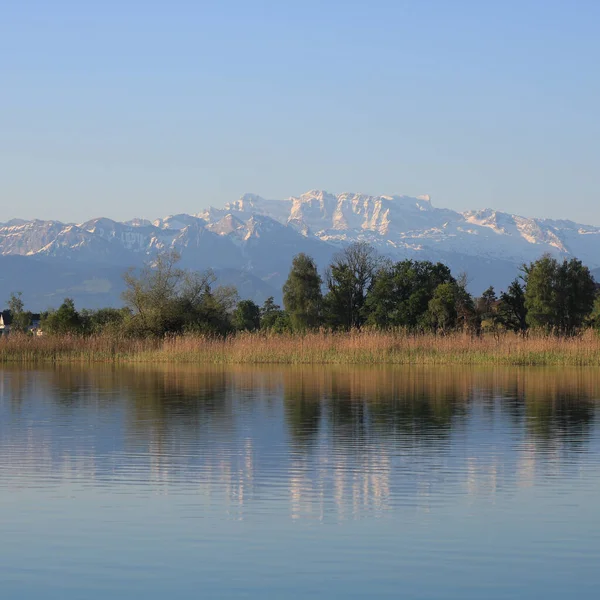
column 408, row 405
column 303, row 407
column 555, row 406
column 15, row 384
column 361, row 416
column 355, row 403
column 423, row 406
column 160, row 402
column 560, row 407
column 72, row 386
column 346, row 411
column 181, row 412
column 175, row 405
column 513, row 400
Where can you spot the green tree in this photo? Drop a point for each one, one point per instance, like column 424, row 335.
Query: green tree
column 165, row 299
column 152, row 296
column 559, row 297
column 104, row 320
column 467, row 317
column 349, row 279
column 401, row 293
column 302, row 295
column 63, row 321
column 540, row 293
column 282, row 324
column 594, row 318
column 512, row 312
column 20, row 318
column 576, row 295
column 486, row 302
column 442, row 311
column 487, row 309
column 211, row 312
column 246, row 316
column 271, row 315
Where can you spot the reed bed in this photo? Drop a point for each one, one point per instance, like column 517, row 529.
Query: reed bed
column 356, row 347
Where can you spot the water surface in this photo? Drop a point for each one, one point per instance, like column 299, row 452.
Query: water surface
column 299, row 483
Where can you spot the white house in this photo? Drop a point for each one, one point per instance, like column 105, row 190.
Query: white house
column 4, row 322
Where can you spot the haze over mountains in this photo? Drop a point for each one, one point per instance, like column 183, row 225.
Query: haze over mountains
column 250, row 243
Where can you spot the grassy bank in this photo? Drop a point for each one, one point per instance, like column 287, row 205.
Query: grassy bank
column 367, row 347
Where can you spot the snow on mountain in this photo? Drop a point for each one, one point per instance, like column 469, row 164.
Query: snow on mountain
column 178, row 222
column 381, row 215
column 139, row 223
column 251, row 204
column 229, row 225
column 259, row 237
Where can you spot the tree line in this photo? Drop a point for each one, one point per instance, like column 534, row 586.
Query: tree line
column 363, row 289
column 358, row 289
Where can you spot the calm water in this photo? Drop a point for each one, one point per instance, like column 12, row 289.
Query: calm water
column 299, row 483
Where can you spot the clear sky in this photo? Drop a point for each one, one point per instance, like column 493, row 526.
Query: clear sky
column 126, row 108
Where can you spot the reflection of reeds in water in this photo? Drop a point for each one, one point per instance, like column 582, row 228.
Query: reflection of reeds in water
column 359, row 347
column 308, row 383
column 305, row 383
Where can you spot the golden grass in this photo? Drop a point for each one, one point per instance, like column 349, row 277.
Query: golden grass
column 357, row 347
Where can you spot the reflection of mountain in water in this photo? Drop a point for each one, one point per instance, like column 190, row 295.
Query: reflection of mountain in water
column 337, row 441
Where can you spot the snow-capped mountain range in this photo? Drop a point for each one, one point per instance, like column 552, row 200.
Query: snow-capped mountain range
column 251, row 242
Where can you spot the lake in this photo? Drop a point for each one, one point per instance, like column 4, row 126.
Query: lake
column 347, row 482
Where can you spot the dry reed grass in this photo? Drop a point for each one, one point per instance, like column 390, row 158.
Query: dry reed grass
column 357, row 347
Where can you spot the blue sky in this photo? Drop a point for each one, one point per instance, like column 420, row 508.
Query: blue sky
column 129, row 108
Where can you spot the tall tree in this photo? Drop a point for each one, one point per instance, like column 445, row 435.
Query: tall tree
column 401, row 293
column 594, row 318
column 104, row 320
column 63, row 321
column 486, row 302
column 20, row 318
column 559, row 297
column 576, row 295
column 487, row 309
column 272, row 317
column 452, row 307
column 467, row 317
column 246, row 316
column 165, row 299
column 512, row 312
column 442, row 312
column 540, row 293
column 349, row 279
column 302, row 296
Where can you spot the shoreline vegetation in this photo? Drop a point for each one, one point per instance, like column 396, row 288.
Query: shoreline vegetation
column 360, row 347
column 373, row 312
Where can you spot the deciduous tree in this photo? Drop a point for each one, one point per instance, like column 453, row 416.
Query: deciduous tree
column 246, row 316
column 349, row 279
column 20, row 318
column 63, row 321
column 401, row 293
column 559, row 297
column 302, row 296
